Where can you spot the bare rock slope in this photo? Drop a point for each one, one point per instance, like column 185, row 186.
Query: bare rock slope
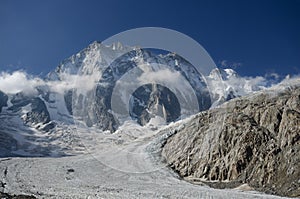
column 253, row 140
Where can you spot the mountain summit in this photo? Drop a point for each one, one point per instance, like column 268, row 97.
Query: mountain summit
column 89, row 89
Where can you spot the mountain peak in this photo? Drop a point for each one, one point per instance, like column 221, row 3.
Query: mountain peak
column 223, row 74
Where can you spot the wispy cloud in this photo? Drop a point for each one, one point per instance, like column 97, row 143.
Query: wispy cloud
column 230, row 64
column 272, row 75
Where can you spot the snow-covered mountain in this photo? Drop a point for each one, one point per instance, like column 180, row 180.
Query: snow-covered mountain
column 84, row 106
column 226, row 84
column 82, row 90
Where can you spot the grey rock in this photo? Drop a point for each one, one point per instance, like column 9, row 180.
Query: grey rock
column 68, row 100
column 253, row 140
column 19, row 100
column 13, row 196
column 7, row 145
column 154, row 99
column 3, row 100
column 38, row 113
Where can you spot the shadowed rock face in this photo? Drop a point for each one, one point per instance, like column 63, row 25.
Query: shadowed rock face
column 3, row 100
column 8, row 196
column 7, row 145
column 254, row 140
column 38, row 113
column 154, row 99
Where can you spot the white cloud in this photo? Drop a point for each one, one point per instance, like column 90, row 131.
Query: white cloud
column 157, row 76
column 19, row 81
column 81, row 82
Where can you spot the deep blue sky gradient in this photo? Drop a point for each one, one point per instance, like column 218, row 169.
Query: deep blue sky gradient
column 263, row 35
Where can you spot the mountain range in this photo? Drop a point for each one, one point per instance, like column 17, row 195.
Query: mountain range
column 70, row 91
column 221, row 130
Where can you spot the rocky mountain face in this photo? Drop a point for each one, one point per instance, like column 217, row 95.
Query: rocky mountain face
column 36, row 114
column 112, row 63
column 253, row 139
column 3, row 100
column 7, row 143
column 83, row 85
column 87, row 81
column 28, row 129
column 112, row 69
column 153, row 100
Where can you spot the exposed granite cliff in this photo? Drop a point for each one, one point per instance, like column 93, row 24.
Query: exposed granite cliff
column 253, row 140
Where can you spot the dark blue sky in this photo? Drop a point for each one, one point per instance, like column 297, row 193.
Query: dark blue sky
column 263, row 35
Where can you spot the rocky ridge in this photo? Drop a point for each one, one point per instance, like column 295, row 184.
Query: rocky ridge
column 252, row 140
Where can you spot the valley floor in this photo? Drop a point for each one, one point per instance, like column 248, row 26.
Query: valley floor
column 115, row 168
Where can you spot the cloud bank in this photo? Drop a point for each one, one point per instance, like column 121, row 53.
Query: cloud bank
column 20, row 81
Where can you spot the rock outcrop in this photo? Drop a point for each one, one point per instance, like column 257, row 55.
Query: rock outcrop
column 9, row 196
column 252, row 140
column 38, row 113
column 151, row 100
column 3, row 100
